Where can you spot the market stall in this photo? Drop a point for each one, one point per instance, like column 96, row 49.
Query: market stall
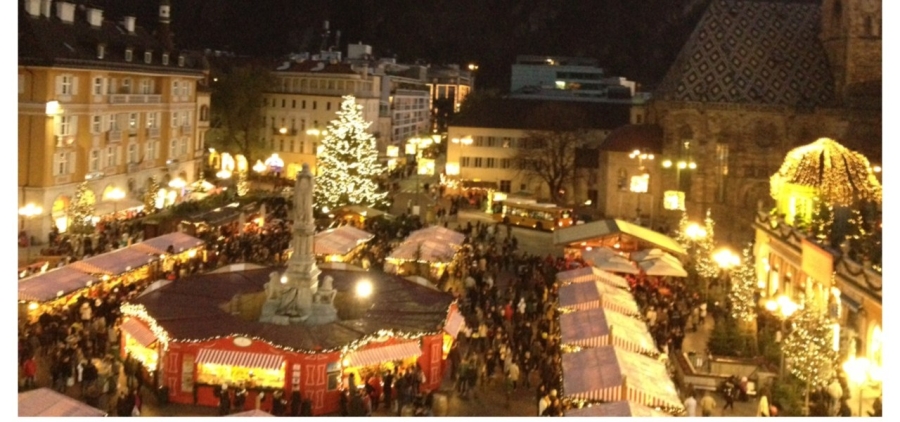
column 439, row 234
column 616, row 234
column 579, row 296
column 617, row 409
column 662, row 268
column 358, row 214
column 340, row 244
column 53, row 288
column 435, row 253
column 607, row 260
column 600, row 327
column 588, row 274
column 609, row 374
column 45, row 402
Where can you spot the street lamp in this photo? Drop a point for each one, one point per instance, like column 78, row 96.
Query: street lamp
column 857, row 370
column 783, row 307
column 28, row 212
column 364, row 289
column 115, row 195
column 695, row 232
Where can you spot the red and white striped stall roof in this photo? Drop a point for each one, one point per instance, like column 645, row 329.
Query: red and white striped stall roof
column 383, row 354
column 600, row 327
column 138, row 331
column 580, row 296
column 242, row 359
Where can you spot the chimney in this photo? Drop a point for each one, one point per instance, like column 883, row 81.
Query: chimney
column 337, row 40
column 165, row 18
column 95, row 17
column 65, row 11
column 33, row 8
column 46, row 8
column 128, row 21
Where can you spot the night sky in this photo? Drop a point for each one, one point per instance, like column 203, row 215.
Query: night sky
column 637, row 39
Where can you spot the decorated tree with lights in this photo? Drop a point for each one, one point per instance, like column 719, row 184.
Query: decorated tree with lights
column 822, row 222
column 150, row 196
column 242, row 186
column 80, row 211
column 742, row 298
column 348, row 161
column 706, row 266
column 809, row 347
column 681, row 236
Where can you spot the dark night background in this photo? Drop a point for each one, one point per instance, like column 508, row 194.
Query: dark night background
column 637, row 39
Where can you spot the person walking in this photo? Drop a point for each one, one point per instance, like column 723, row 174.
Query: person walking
column 763, row 408
column 690, row 405
column 707, row 404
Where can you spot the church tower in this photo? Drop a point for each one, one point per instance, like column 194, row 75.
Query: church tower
column 851, row 35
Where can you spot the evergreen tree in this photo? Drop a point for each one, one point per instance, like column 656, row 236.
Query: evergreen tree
column 150, row 196
column 809, row 347
column 242, row 186
column 681, row 236
column 80, row 211
column 741, row 295
column 706, row 266
column 348, row 164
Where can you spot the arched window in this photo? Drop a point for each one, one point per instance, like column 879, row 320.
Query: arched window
column 622, row 179
column 204, row 113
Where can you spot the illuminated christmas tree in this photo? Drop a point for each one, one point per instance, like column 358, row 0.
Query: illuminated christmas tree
column 681, row 235
column 743, row 287
column 706, row 266
column 348, row 162
column 242, row 186
column 822, row 221
column 80, row 211
column 150, row 196
column 809, row 347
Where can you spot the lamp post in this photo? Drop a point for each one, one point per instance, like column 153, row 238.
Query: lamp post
column 782, row 307
column 857, row 370
column 28, row 212
column 679, row 166
column 726, row 259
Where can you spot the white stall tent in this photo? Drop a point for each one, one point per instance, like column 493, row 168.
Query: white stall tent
column 46, row 402
column 340, row 241
column 662, row 268
column 601, row 327
column 611, row 374
column 580, row 296
column 617, row 409
column 589, row 274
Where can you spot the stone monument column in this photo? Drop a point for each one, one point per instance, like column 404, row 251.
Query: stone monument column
column 302, row 272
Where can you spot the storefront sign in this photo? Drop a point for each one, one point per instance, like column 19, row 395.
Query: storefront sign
column 673, row 200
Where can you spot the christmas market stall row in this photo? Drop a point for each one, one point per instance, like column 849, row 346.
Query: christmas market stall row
column 218, row 331
column 433, row 246
column 98, row 276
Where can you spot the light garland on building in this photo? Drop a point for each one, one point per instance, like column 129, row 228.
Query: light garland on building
column 140, row 312
column 348, row 162
column 809, row 347
column 841, row 175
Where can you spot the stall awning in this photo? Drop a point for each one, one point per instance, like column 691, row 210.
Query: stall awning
column 47, row 286
column 599, row 327
column 454, row 323
column 586, row 274
column 340, row 241
column 177, row 240
column 611, row 228
column 46, row 402
column 242, row 359
column 618, row 409
column 138, row 332
column 383, row 354
column 115, row 262
column 597, row 295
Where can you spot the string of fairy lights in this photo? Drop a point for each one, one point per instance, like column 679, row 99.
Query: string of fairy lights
column 809, row 347
column 743, row 288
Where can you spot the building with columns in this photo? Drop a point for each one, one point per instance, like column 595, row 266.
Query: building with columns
column 103, row 101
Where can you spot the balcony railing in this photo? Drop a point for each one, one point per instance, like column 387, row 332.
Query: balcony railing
column 135, row 99
column 153, row 132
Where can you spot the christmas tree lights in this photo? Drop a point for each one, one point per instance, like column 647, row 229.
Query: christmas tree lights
column 80, row 211
column 809, row 347
column 150, row 196
column 348, row 161
column 743, row 288
column 706, row 266
column 841, row 176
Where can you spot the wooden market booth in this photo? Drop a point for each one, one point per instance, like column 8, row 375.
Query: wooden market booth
column 340, row 244
column 434, row 246
column 196, row 342
column 612, row 233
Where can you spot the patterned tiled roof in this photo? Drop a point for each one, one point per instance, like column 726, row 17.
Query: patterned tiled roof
column 753, row 52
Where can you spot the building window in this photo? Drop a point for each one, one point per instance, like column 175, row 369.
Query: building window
column 314, row 105
column 293, row 103
column 165, row 59
column 491, row 162
column 128, row 54
column 173, row 148
column 145, row 86
column 66, row 125
column 478, row 162
column 126, row 86
column 291, row 145
column 150, row 151
column 303, row 104
column 94, row 162
column 110, row 156
column 283, row 103
column 66, row 85
column 132, row 153
column 180, row 61
column 622, row 180
column 60, row 161
column 328, row 105
column 151, row 120
column 148, row 57
column 133, row 121
column 505, row 163
column 492, row 141
column 98, row 86
column 96, row 124
column 507, row 143
column 505, row 186
column 184, row 147
column 281, row 145
column 478, row 141
column 465, row 162
column 176, row 88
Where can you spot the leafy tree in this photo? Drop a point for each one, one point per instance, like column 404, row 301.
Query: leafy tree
column 80, row 211
column 349, row 161
column 237, row 101
column 742, row 298
column 809, row 348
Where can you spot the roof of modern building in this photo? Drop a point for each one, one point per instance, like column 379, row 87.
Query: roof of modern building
column 48, row 41
column 763, row 52
column 316, row 66
column 527, row 114
column 192, row 309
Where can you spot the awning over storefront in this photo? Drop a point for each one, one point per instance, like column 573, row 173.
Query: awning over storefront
column 617, row 409
column 178, row 240
column 51, row 284
column 586, row 274
column 46, row 402
column 603, row 373
column 242, row 359
column 138, row 331
column 580, row 296
column 454, row 323
column 115, row 262
column 340, row 241
column 600, row 327
column 423, row 250
column 611, row 228
column 383, row 354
